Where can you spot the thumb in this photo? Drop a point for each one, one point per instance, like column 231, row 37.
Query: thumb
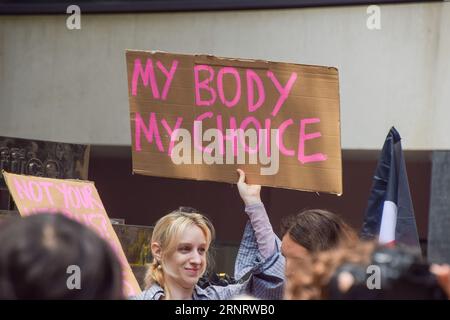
column 241, row 176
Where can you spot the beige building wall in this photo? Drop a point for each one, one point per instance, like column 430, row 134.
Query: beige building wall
column 71, row 85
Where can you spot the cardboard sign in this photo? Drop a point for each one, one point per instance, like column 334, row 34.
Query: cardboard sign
column 78, row 200
column 201, row 117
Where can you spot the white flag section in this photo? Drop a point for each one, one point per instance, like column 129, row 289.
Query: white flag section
column 390, row 212
column 388, row 222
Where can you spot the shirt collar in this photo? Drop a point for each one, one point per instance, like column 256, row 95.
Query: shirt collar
column 155, row 292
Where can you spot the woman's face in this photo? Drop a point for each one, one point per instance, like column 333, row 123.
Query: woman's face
column 187, row 264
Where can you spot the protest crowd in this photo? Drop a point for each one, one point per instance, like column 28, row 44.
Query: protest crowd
column 243, row 121
column 318, row 257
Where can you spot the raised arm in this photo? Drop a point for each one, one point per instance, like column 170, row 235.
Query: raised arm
column 265, row 237
column 259, row 266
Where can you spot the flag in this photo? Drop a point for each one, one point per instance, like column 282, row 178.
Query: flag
column 390, row 214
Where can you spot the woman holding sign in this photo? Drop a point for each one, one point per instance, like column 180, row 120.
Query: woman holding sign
column 180, row 245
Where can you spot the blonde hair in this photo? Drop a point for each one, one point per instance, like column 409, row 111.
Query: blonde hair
column 167, row 232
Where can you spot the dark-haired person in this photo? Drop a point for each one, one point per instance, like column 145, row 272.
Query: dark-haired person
column 37, row 251
column 309, row 232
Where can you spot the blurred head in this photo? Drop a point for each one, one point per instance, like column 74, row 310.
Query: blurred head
column 309, row 232
column 180, row 247
column 36, row 253
column 366, row 271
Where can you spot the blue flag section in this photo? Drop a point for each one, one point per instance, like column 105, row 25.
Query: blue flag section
column 390, row 214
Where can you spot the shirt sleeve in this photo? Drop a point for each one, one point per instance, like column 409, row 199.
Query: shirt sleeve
column 265, row 237
column 259, row 276
column 265, row 281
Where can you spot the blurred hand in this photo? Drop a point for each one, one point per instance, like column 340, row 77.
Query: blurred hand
column 250, row 193
column 442, row 273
